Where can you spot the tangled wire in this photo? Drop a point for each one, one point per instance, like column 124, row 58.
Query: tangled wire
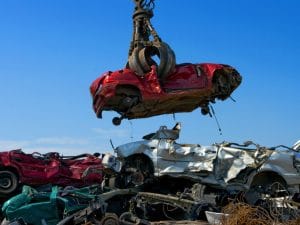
column 244, row 214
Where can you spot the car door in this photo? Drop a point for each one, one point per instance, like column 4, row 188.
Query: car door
column 188, row 77
column 32, row 169
column 170, row 158
column 181, row 158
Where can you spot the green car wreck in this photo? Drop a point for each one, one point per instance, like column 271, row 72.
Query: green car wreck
column 34, row 207
column 63, row 206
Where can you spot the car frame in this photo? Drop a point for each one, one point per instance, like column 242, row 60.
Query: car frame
column 190, row 86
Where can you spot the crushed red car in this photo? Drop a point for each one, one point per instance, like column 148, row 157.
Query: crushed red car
column 188, row 87
column 17, row 168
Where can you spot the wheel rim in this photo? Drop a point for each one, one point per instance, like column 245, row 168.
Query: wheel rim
column 8, row 182
column 5, row 182
column 137, row 178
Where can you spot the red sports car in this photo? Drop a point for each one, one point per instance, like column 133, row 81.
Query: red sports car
column 36, row 169
column 188, row 87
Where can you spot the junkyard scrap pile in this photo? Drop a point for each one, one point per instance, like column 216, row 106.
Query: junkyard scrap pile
column 155, row 180
column 158, row 179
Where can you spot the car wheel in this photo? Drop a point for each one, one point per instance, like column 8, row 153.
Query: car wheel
column 139, row 170
column 8, row 182
column 127, row 90
column 129, row 97
column 109, row 219
column 116, row 121
column 267, row 187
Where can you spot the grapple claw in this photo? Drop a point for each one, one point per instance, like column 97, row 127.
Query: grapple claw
column 142, row 49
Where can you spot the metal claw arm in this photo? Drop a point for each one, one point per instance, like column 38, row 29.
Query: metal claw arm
column 142, row 48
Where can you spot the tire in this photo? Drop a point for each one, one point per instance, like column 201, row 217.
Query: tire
column 267, row 186
column 8, row 182
column 128, row 91
column 129, row 97
column 109, row 219
column 140, row 169
column 116, row 121
column 116, row 182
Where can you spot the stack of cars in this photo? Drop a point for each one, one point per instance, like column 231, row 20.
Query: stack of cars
column 158, row 178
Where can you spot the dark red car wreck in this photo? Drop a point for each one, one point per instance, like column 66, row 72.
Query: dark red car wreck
column 17, row 168
column 190, row 86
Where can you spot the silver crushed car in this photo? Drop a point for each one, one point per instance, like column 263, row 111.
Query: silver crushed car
column 224, row 166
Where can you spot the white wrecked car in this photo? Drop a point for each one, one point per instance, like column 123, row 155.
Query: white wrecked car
column 228, row 166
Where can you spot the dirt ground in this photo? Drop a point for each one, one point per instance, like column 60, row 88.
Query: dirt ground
column 182, row 222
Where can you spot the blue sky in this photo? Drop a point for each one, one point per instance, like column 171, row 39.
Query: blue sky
column 51, row 51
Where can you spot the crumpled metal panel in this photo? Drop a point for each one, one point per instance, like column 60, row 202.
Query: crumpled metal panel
column 284, row 162
column 231, row 161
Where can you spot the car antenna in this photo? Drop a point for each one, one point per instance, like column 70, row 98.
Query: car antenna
column 216, row 119
column 131, row 130
column 112, row 145
column 232, row 98
column 174, row 117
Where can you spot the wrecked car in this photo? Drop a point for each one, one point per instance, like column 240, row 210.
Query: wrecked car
column 224, row 166
column 64, row 206
column 18, row 168
column 190, row 86
column 47, row 207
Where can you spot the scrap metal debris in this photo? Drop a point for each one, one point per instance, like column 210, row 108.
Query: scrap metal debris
column 156, row 178
column 162, row 180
